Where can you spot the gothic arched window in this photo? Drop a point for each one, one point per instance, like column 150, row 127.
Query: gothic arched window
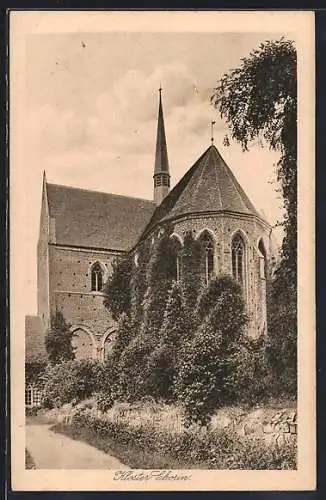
column 177, row 258
column 238, row 259
column 96, row 278
column 207, row 255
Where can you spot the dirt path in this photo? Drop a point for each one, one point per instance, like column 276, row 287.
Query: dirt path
column 56, row 451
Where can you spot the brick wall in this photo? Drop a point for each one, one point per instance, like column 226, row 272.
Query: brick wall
column 70, row 293
column 223, row 227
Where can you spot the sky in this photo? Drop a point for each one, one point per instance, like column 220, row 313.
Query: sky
column 90, row 105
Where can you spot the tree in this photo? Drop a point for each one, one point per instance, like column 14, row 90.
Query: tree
column 175, row 331
column 206, row 368
column 259, row 101
column 134, row 368
column 125, row 334
column 117, row 289
column 58, row 339
column 139, row 282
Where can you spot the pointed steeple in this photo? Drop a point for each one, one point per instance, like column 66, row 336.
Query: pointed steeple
column 161, row 169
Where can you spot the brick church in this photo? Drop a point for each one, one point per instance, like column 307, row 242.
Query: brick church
column 82, row 232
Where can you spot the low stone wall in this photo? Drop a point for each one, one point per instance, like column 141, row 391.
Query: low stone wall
column 272, row 424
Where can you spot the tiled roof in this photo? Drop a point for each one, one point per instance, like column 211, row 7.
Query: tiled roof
column 98, row 220
column 209, row 186
column 34, row 338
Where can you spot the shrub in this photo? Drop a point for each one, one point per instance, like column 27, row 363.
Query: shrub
column 175, row 330
column 207, row 366
column 117, row 290
column 71, row 381
column 138, row 282
column 210, row 294
column 58, row 339
column 145, row 446
column 191, row 280
column 34, row 370
column 249, row 381
column 282, row 335
column 125, row 333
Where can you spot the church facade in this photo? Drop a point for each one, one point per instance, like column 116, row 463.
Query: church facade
column 82, row 232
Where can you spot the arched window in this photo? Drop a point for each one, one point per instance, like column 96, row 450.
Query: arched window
column 238, row 259
column 96, row 278
column 82, row 344
column 108, row 344
column 177, row 257
column 207, row 255
column 262, row 258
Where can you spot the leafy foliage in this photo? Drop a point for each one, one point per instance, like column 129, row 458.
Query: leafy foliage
column 191, row 280
column 125, row 333
column 175, row 331
column 71, row 381
column 148, row 446
column 139, row 282
column 58, row 339
column 34, row 370
column 117, row 289
column 259, row 101
column 207, row 367
column 209, row 295
column 281, row 349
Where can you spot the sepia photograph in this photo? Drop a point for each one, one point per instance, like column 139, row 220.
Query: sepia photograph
column 162, row 250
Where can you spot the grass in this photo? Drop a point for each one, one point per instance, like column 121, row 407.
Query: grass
column 29, row 462
column 40, row 417
column 153, row 436
column 128, row 455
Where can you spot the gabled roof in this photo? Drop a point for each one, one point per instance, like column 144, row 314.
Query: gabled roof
column 34, row 338
column 209, row 186
column 92, row 219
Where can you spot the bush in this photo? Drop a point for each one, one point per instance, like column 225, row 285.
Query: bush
column 125, row 333
column 34, row 370
column 207, row 370
column 117, row 290
column 282, row 336
column 162, row 362
column 71, row 381
column 191, row 280
column 144, row 446
column 58, row 339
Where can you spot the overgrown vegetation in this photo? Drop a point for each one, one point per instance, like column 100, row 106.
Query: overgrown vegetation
column 34, row 369
column 183, row 341
column 259, row 102
column 118, row 290
column 71, row 380
column 151, row 447
column 58, row 339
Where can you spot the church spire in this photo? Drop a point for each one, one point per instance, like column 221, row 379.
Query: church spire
column 161, row 169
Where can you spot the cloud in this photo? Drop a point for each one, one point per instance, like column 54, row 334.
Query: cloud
column 113, row 148
column 124, row 118
column 51, row 129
